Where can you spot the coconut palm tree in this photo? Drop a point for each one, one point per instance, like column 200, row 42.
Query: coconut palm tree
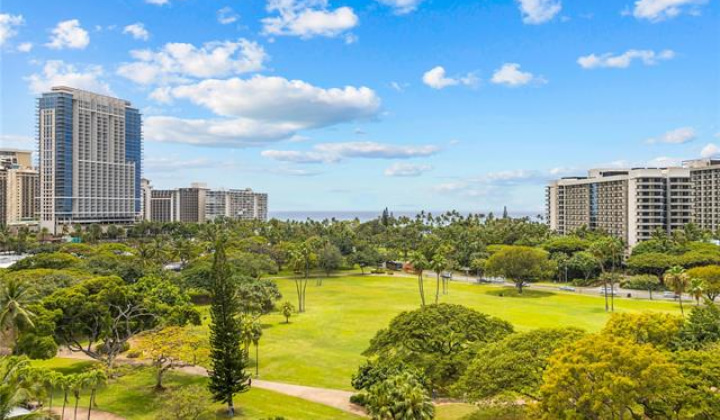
column 696, row 289
column 17, row 385
column 419, row 264
column 51, row 379
column 93, row 380
column 15, row 296
column 438, row 265
column 677, row 280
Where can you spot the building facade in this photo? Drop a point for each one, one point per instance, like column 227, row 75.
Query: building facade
column 198, row 204
column 632, row 204
column 237, row 204
column 18, row 188
column 90, row 159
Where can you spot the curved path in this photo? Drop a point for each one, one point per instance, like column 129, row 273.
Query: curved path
column 82, row 413
column 331, row 397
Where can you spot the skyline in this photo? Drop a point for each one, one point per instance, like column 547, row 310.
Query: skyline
column 243, row 104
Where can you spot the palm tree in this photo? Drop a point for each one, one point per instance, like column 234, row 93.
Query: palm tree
column 696, row 289
column 78, row 382
column 94, row 379
column 15, row 296
column 419, row 263
column 438, row 265
column 51, row 379
column 17, row 385
column 677, row 279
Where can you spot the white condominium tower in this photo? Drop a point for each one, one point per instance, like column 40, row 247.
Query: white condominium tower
column 632, row 204
column 90, row 159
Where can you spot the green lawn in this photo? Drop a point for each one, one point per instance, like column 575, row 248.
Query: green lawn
column 323, row 346
column 132, row 396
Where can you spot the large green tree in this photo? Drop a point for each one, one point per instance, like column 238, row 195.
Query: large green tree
column 439, row 340
column 519, row 264
column 227, row 359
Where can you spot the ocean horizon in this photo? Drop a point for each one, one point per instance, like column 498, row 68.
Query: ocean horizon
column 366, row 215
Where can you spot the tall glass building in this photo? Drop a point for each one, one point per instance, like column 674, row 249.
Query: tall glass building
column 90, row 159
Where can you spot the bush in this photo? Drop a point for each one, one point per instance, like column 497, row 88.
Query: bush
column 359, row 399
column 36, row 346
column 102, row 350
column 642, row 282
column 199, row 296
column 585, row 283
column 134, row 354
column 499, row 412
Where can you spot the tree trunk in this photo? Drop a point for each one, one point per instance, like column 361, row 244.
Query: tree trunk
column 77, row 401
column 65, row 400
column 421, row 289
column 231, row 407
column 519, row 287
column 682, row 311
column 605, row 293
column 650, row 291
column 437, row 287
column 257, row 360
column 92, row 400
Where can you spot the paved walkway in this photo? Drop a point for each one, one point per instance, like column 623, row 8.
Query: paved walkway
column 331, row 397
column 82, row 414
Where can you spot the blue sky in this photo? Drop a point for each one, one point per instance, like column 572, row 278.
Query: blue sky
column 359, row 105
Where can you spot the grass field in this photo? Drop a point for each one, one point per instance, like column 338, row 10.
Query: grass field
column 132, row 396
column 323, row 346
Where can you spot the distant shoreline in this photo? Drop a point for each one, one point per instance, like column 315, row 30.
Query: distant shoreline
column 364, row 216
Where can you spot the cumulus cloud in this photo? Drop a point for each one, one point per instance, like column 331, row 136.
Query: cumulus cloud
column 401, row 169
column 59, row 73
column 436, row 78
column 677, row 136
column 276, row 98
column 307, row 19
column 259, row 110
column 659, row 10
column 621, row 61
column 69, row 34
column 402, row 7
column 8, row 26
column 227, row 15
column 236, row 132
column 710, row 150
column 179, row 61
column 174, row 164
column 158, row 2
column 17, row 141
column 25, row 47
column 511, row 75
column 137, row 31
column 335, row 152
column 535, row 12
column 493, row 183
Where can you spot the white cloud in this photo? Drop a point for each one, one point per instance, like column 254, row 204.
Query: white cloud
column 258, row 111
column 25, row 47
column 535, row 12
column 236, row 132
column 58, row 73
column 659, row 10
column 69, row 34
column 402, row 7
column 17, row 141
column 308, row 19
column 621, row 61
column 296, row 156
column 178, row 61
column 335, row 152
column 138, row 31
column 437, row 79
column 174, row 164
column 407, row 169
column 710, row 150
column 510, row 75
column 677, row 136
column 8, row 25
column 227, row 15
column 276, row 98
column 494, row 183
column 158, row 2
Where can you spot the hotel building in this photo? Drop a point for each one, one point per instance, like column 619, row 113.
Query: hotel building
column 631, row 204
column 18, row 187
column 90, row 159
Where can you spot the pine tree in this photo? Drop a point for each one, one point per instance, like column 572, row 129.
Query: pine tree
column 227, row 375
column 505, row 212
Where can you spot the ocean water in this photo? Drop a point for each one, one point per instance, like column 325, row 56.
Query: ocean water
column 364, row 216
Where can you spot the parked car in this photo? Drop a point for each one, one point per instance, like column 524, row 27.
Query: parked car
column 608, row 291
column 670, row 295
column 567, row 288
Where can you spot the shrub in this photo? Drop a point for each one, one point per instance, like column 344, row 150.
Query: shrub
column 642, row 282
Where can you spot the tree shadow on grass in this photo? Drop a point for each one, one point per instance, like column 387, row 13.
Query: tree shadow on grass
column 511, row 292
